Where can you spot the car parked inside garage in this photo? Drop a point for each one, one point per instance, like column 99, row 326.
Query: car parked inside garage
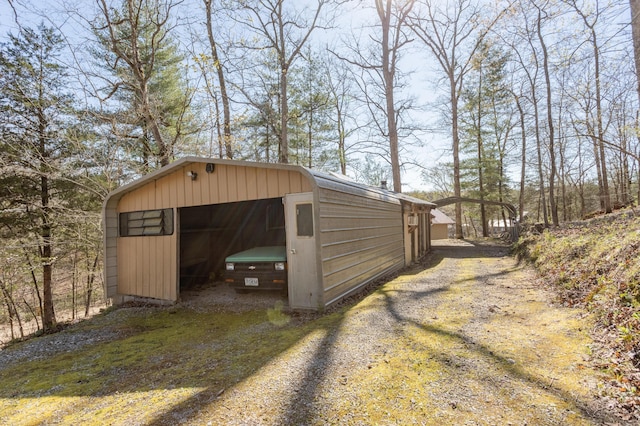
column 259, row 268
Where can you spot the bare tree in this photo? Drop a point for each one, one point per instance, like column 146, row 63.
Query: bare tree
column 521, row 37
column 392, row 21
column 635, row 31
column 523, row 159
column 339, row 78
column 453, row 34
column 381, row 76
column 135, row 34
column 281, row 27
column 550, row 125
column 213, row 45
column 590, row 20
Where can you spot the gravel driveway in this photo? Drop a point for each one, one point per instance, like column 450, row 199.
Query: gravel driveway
column 472, row 339
column 468, row 338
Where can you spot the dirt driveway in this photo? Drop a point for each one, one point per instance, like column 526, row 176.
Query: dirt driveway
column 470, row 340
column 467, row 339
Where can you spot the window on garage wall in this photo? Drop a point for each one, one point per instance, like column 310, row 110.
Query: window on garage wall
column 146, row 223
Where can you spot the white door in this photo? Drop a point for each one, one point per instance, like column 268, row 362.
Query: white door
column 301, row 251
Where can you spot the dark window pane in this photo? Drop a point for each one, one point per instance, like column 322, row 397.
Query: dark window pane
column 124, row 220
column 304, row 213
column 148, row 222
column 167, row 221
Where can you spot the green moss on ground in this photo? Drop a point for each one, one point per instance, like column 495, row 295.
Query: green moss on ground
column 164, row 356
column 486, row 349
column 596, row 264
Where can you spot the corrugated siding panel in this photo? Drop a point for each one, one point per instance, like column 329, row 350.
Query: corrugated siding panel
column 187, row 190
column 273, row 187
column 142, row 267
column 145, row 267
column 262, row 183
column 222, row 181
column 206, row 185
column 361, row 240
column 239, row 185
column 252, row 185
column 111, row 252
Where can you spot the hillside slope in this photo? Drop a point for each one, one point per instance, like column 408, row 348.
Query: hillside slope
column 596, row 264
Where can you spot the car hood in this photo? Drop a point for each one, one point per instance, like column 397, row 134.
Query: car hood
column 260, row 254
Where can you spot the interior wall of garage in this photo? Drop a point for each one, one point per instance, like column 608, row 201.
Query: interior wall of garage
column 148, row 266
column 210, row 233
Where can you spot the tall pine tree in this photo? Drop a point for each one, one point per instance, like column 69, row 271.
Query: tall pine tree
column 485, row 126
column 152, row 118
column 35, row 115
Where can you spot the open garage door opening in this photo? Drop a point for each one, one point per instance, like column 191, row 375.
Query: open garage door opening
column 217, row 240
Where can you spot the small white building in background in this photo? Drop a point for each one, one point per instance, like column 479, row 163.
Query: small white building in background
column 440, row 225
column 497, row 226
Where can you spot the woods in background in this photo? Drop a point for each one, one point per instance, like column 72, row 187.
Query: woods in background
column 530, row 102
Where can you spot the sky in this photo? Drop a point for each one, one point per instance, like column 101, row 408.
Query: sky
column 434, row 144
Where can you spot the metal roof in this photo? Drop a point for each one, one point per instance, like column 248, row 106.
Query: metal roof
column 440, row 218
column 320, row 179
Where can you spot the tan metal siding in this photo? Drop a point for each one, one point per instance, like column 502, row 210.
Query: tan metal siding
column 362, row 238
column 226, row 184
column 147, row 266
column 144, row 268
column 439, row 231
column 262, row 184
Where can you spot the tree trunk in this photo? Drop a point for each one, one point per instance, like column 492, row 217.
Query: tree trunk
column 388, row 73
column 90, row 280
column 606, row 196
column 310, row 138
column 625, row 173
column 223, row 85
column 74, row 283
column 456, row 155
column 483, row 212
column 12, row 311
column 341, row 144
column 34, row 279
column 163, row 153
column 596, row 156
column 552, row 150
column 523, row 160
column 284, row 118
column 635, row 31
column 46, row 258
column 543, row 199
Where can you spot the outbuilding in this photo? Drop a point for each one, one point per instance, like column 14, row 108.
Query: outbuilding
column 440, row 224
column 180, row 223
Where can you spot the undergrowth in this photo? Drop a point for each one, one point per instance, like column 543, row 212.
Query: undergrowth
column 596, row 264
